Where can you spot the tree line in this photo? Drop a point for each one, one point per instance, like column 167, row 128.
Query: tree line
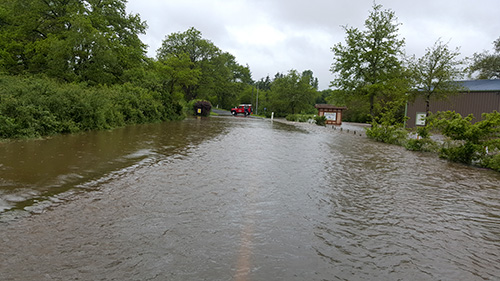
column 73, row 65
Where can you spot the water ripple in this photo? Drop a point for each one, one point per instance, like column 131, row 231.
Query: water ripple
column 236, row 198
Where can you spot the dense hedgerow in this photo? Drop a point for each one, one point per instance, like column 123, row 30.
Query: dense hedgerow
column 35, row 107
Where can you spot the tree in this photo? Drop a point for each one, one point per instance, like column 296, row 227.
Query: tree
column 117, row 32
column 221, row 78
column 200, row 51
column 292, row 93
column 488, row 65
column 436, row 72
column 309, row 75
column 94, row 41
column 178, row 73
column 369, row 65
column 324, row 96
column 264, row 84
column 189, row 42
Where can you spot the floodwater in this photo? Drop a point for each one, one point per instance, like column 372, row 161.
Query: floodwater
column 230, row 198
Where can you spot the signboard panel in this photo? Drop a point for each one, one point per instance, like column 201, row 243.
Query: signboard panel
column 331, row 116
column 420, row 120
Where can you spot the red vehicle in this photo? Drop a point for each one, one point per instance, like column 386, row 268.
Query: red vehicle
column 245, row 109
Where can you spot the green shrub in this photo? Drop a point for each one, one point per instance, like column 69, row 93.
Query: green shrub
column 423, row 142
column 38, row 106
column 291, row 117
column 201, row 107
column 299, row 117
column 465, row 153
column 426, row 145
column 468, row 142
column 320, row 120
column 491, row 162
column 392, row 134
column 388, row 126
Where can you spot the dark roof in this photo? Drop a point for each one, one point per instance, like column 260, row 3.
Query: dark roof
column 492, row 85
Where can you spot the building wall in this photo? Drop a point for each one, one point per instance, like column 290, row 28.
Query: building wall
column 475, row 103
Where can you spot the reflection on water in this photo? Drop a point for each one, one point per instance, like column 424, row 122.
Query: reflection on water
column 37, row 170
column 245, row 199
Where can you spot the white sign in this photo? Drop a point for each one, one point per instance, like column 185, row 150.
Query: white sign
column 331, row 116
column 420, row 120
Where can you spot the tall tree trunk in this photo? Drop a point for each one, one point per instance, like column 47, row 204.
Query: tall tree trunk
column 427, row 105
column 372, row 106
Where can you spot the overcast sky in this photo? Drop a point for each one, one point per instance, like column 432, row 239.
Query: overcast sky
column 279, row 35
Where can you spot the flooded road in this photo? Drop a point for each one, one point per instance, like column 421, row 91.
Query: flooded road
column 241, row 199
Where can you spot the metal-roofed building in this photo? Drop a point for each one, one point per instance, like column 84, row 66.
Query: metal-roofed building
column 479, row 96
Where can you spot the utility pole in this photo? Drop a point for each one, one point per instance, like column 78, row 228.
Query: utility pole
column 257, row 103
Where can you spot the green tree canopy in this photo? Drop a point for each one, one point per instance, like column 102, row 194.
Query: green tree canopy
column 369, row 64
column 178, row 73
column 292, row 93
column 189, row 42
column 94, row 41
column 264, row 83
column 485, row 64
column 313, row 81
column 435, row 73
column 220, row 78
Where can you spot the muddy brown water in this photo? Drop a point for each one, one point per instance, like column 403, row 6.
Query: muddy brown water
column 230, row 198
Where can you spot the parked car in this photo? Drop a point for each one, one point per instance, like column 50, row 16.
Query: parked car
column 245, row 109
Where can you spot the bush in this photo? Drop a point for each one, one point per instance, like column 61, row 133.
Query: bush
column 423, row 142
column 491, row 162
column 320, row 120
column 392, row 134
column 465, row 153
column 201, row 107
column 33, row 107
column 299, row 117
column 469, row 143
column 388, row 127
